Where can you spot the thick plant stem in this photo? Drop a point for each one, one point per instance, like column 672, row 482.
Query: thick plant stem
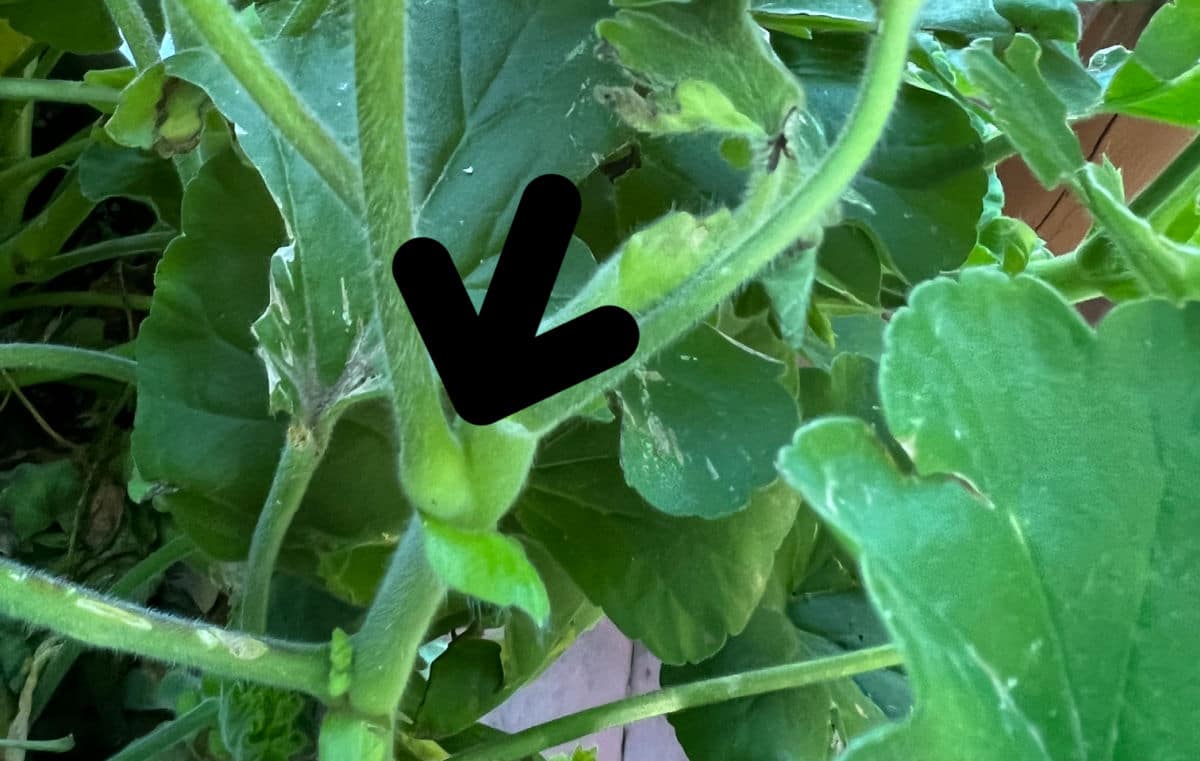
column 672, row 699
column 432, row 463
column 67, row 359
column 379, row 69
column 769, row 235
column 134, row 585
column 83, row 615
column 302, row 452
column 217, row 23
column 136, row 30
column 168, row 735
column 385, row 649
column 57, row 90
column 1074, row 281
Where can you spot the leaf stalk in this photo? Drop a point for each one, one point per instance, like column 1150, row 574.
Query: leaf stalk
column 682, row 697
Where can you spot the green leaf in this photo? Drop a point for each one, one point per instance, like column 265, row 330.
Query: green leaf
column 700, row 424
column 262, row 723
column 475, row 104
column 1161, row 80
column 35, row 495
column 1030, row 113
column 107, row 170
column 525, row 649
column 970, row 18
column 487, row 565
column 791, row 725
column 1036, row 573
column 203, row 427
column 708, row 66
column 789, row 285
column 462, row 684
column 926, row 180
column 159, row 113
column 80, row 26
column 1045, row 19
column 680, row 585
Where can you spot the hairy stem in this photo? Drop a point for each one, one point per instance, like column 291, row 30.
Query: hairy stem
column 81, row 614
column 135, row 301
column 770, row 234
column 134, row 585
column 57, row 90
column 681, row 697
column 217, row 23
column 136, row 29
column 130, row 245
column 1076, row 282
column 67, row 359
column 169, row 734
column 61, row 745
column 302, row 453
column 34, row 168
column 385, row 649
column 429, row 447
column 303, row 16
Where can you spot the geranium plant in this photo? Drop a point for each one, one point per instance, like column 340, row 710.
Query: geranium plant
column 870, row 485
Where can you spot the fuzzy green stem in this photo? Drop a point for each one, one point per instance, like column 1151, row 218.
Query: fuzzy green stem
column 135, row 301
column 302, row 453
column 169, row 734
column 43, row 236
column 134, row 585
column 61, row 745
column 1160, row 202
column 217, row 23
column 997, row 149
column 131, row 245
column 1073, row 281
column 68, row 359
column 672, row 699
column 303, row 16
column 33, row 376
column 771, row 234
column 385, row 648
column 58, row 91
column 136, row 29
column 81, row 614
column 34, row 168
column 379, row 68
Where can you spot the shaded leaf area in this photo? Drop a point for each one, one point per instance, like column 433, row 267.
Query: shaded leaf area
column 203, row 427
column 700, row 424
column 806, row 724
column 481, row 669
column 319, row 331
column 1036, row 573
column 680, row 585
column 81, row 26
column 480, row 75
column 917, row 201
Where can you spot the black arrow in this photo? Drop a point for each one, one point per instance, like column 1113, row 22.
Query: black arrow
column 494, row 363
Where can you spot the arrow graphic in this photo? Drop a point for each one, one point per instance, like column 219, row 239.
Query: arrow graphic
column 494, row 363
